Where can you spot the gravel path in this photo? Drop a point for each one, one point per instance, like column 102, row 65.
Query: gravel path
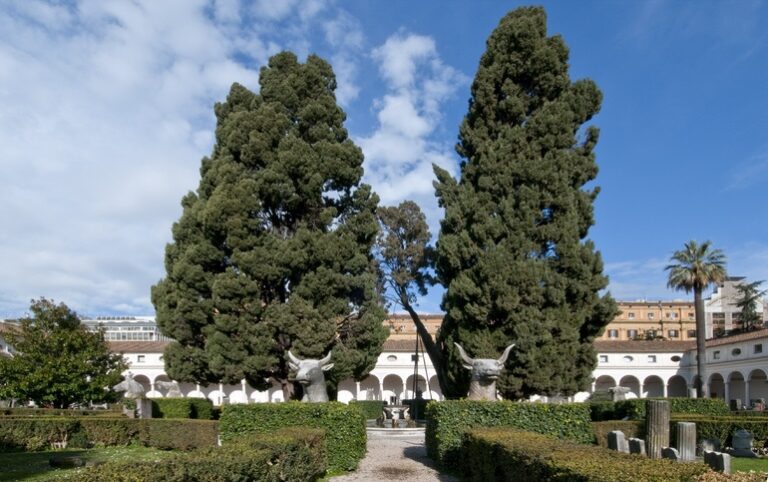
column 396, row 458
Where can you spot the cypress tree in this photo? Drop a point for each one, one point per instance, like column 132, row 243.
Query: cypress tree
column 512, row 250
column 274, row 250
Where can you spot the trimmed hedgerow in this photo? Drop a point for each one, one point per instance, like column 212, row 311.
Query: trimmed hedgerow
column 290, row 455
column 635, row 408
column 503, row 454
column 196, row 408
column 56, row 412
column 40, row 433
column 448, row 420
column 344, row 425
column 631, row 428
column 372, row 409
column 600, row 411
column 712, row 427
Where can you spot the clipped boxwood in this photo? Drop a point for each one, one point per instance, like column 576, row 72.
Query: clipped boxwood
column 291, row 455
column 372, row 409
column 56, row 412
column 599, row 411
column 635, row 408
column 504, row 454
column 721, row 428
column 40, row 433
column 344, row 425
column 196, row 408
column 448, row 420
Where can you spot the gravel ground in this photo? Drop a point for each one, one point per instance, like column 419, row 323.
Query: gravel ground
column 396, row 458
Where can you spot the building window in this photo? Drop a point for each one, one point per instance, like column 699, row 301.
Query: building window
column 651, row 358
column 671, row 315
column 673, row 333
column 631, row 315
column 736, row 352
column 759, row 348
column 603, row 358
column 628, row 359
column 690, row 316
column 691, row 333
column 631, row 334
column 651, row 316
column 675, row 358
column 613, row 333
column 718, row 318
column 716, row 355
column 141, row 358
column 650, row 334
column 391, row 358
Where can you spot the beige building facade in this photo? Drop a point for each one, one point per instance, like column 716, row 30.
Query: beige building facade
column 643, row 320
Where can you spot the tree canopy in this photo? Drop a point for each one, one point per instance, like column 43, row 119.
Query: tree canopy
column 749, row 296
column 274, row 250
column 512, row 251
column 57, row 361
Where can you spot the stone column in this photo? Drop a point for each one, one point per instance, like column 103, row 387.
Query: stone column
column 151, row 386
column 656, row 427
column 686, row 440
column 244, row 384
column 381, row 390
column 357, row 390
column 664, row 389
column 727, row 391
column 747, row 401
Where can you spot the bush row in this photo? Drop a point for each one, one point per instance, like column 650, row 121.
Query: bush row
column 40, row 433
column 196, row 408
column 294, row 455
column 344, row 426
column 503, row 454
column 448, row 420
column 722, row 428
column 635, row 409
column 57, row 412
column 372, row 409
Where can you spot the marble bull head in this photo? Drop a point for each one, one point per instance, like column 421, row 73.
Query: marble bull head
column 485, row 372
column 309, row 373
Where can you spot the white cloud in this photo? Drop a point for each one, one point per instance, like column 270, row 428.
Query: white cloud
column 400, row 152
column 107, row 111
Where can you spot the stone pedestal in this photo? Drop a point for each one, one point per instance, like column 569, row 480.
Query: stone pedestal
column 670, row 453
column 742, row 444
column 637, row 446
column 656, row 427
column 616, row 441
column 686, row 440
column 718, row 462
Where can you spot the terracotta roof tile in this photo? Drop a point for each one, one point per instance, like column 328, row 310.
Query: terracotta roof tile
column 750, row 335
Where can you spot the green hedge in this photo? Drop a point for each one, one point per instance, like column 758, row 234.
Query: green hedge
column 372, row 409
column 294, row 455
column 448, row 420
column 57, row 412
column 344, row 425
column 635, row 408
column 709, row 427
column 197, row 408
column 504, row 454
column 599, row 411
column 39, row 433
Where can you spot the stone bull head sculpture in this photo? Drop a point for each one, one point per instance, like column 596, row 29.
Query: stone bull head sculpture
column 309, row 373
column 485, row 371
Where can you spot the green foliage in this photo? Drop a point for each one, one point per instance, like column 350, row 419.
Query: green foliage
column 447, row 421
column 750, row 295
column 39, row 433
column 344, row 426
column 57, row 361
column 19, row 412
column 513, row 252
column 710, row 427
column 602, row 410
column 372, row 409
column 199, row 408
column 511, row 455
column 274, row 250
column 295, row 456
column 631, row 428
column 635, row 408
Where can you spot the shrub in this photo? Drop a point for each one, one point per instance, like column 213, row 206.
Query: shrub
column 109, row 432
column 631, row 428
column 721, row 428
column 372, row 409
column 446, row 422
column 295, row 456
column 599, row 411
column 35, row 433
column 179, row 434
column 503, row 454
column 57, row 412
column 635, row 408
column 197, row 408
column 344, row 425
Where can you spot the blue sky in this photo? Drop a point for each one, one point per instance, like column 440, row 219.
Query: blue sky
column 107, row 111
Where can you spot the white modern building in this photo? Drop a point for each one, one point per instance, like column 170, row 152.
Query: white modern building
column 722, row 314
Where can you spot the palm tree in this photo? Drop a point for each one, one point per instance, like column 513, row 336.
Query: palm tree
column 696, row 267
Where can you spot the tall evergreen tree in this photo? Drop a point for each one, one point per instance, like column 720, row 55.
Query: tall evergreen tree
column 750, row 295
column 274, row 250
column 512, row 251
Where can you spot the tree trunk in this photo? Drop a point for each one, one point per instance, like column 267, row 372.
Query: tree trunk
column 287, row 387
column 432, row 348
column 701, row 344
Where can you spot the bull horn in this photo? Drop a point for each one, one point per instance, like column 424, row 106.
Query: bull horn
column 293, row 358
column 464, row 355
column 505, row 355
column 326, row 358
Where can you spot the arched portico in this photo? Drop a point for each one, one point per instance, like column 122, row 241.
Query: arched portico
column 370, row 388
column 434, row 389
column 758, row 385
column 421, row 385
column 737, row 388
column 631, row 382
column 393, row 388
column 677, row 386
column 654, row 387
column 347, row 391
column 717, row 386
column 604, row 382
